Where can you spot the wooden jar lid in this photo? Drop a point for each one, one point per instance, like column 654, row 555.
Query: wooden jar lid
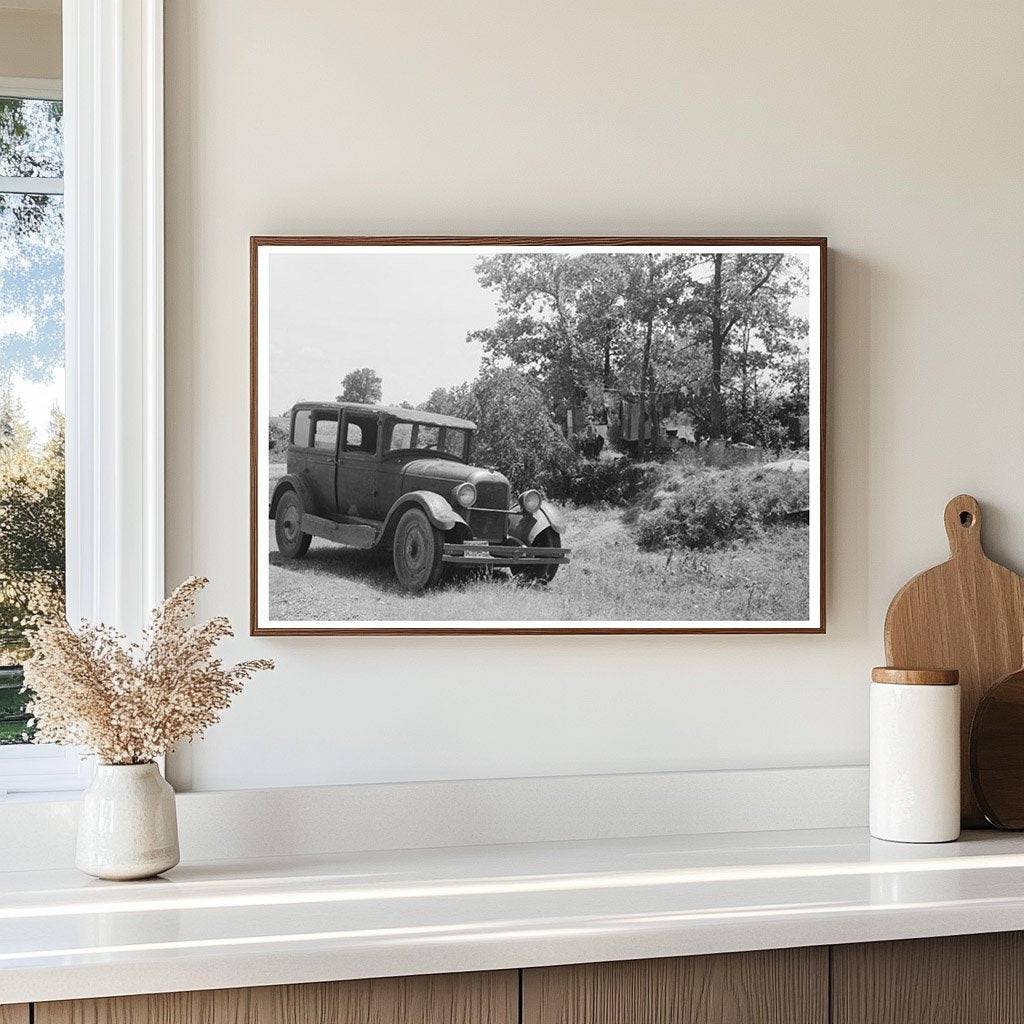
column 916, row 676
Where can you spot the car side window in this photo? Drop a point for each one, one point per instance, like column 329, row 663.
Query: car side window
column 325, row 435
column 401, row 437
column 300, row 428
column 361, row 434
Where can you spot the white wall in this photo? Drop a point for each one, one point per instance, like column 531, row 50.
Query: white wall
column 895, row 129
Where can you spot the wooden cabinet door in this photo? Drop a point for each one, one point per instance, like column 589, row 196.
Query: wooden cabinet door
column 778, row 986
column 482, row 998
column 14, row 1013
column 962, row 979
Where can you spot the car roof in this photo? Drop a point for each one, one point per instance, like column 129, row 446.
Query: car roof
column 395, row 412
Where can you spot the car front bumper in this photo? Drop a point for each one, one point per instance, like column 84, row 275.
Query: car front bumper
column 476, row 554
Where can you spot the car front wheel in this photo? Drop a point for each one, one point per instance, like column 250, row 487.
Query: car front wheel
column 418, row 550
column 291, row 541
column 540, row 573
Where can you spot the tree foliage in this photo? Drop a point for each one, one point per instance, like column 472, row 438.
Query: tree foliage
column 516, row 433
column 362, row 385
column 32, row 513
column 718, row 327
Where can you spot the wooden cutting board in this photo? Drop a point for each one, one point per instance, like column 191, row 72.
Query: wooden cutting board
column 997, row 752
column 967, row 614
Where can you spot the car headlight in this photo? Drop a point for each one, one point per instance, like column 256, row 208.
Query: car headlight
column 529, row 501
column 464, row 494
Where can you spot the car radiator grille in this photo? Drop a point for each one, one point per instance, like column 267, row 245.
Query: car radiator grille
column 491, row 494
column 486, row 518
column 488, row 525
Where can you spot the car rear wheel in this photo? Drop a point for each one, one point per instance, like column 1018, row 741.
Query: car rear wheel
column 540, row 573
column 418, row 549
column 291, row 541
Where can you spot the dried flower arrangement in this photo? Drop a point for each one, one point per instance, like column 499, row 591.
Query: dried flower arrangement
column 129, row 703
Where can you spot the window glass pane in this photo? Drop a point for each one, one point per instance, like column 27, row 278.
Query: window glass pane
column 455, row 442
column 361, row 434
column 300, row 431
column 401, row 436
column 31, row 424
column 426, row 437
column 31, row 143
column 326, row 435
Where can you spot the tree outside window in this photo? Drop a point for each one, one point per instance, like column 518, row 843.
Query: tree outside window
column 31, row 386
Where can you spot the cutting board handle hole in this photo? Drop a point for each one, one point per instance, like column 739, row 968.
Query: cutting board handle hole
column 966, row 519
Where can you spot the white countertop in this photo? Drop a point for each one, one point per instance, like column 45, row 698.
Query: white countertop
column 261, row 922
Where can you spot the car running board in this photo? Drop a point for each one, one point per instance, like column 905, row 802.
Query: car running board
column 353, row 535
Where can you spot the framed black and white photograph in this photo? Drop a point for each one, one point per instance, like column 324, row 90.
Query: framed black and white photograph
column 537, row 435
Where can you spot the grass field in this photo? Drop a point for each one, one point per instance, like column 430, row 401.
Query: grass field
column 609, row 578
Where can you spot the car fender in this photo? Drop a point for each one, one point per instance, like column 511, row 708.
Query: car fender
column 438, row 511
column 554, row 517
column 527, row 528
column 292, row 482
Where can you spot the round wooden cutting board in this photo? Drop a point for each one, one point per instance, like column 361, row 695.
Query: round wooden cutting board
column 997, row 752
column 967, row 614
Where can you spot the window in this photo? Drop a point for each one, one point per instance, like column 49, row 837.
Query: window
column 32, row 541
column 455, row 442
column 361, row 434
column 112, row 314
column 401, row 437
column 300, row 428
column 325, row 435
column 427, row 437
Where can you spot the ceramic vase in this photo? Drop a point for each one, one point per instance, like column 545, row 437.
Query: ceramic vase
column 127, row 825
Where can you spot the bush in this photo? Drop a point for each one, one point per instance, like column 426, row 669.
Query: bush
column 714, row 507
column 615, row 481
column 516, row 432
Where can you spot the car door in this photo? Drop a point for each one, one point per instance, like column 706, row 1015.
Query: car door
column 321, row 458
column 358, row 460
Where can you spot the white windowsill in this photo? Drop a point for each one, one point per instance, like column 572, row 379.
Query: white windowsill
column 42, row 771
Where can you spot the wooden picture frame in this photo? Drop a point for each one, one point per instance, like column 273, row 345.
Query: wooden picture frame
column 261, row 248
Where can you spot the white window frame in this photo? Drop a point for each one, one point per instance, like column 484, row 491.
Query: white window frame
column 45, row 767
column 114, row 324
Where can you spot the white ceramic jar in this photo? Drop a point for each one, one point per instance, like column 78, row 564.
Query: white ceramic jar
column 127, row 824
column 915, row 755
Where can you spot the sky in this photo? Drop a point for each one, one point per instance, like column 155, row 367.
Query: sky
column 31, row 273
column 405, row 316
column 39, row 399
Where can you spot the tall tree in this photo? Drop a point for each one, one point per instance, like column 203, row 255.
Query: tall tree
column 559, row 317
column 742, row 288
column 32, row 538
column 15, row 429
column 656, row 286
column 363, row 385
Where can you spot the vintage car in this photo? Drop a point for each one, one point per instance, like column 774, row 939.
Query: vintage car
column 372, row 476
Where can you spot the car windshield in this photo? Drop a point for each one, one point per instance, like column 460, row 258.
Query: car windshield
column 429, row 437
